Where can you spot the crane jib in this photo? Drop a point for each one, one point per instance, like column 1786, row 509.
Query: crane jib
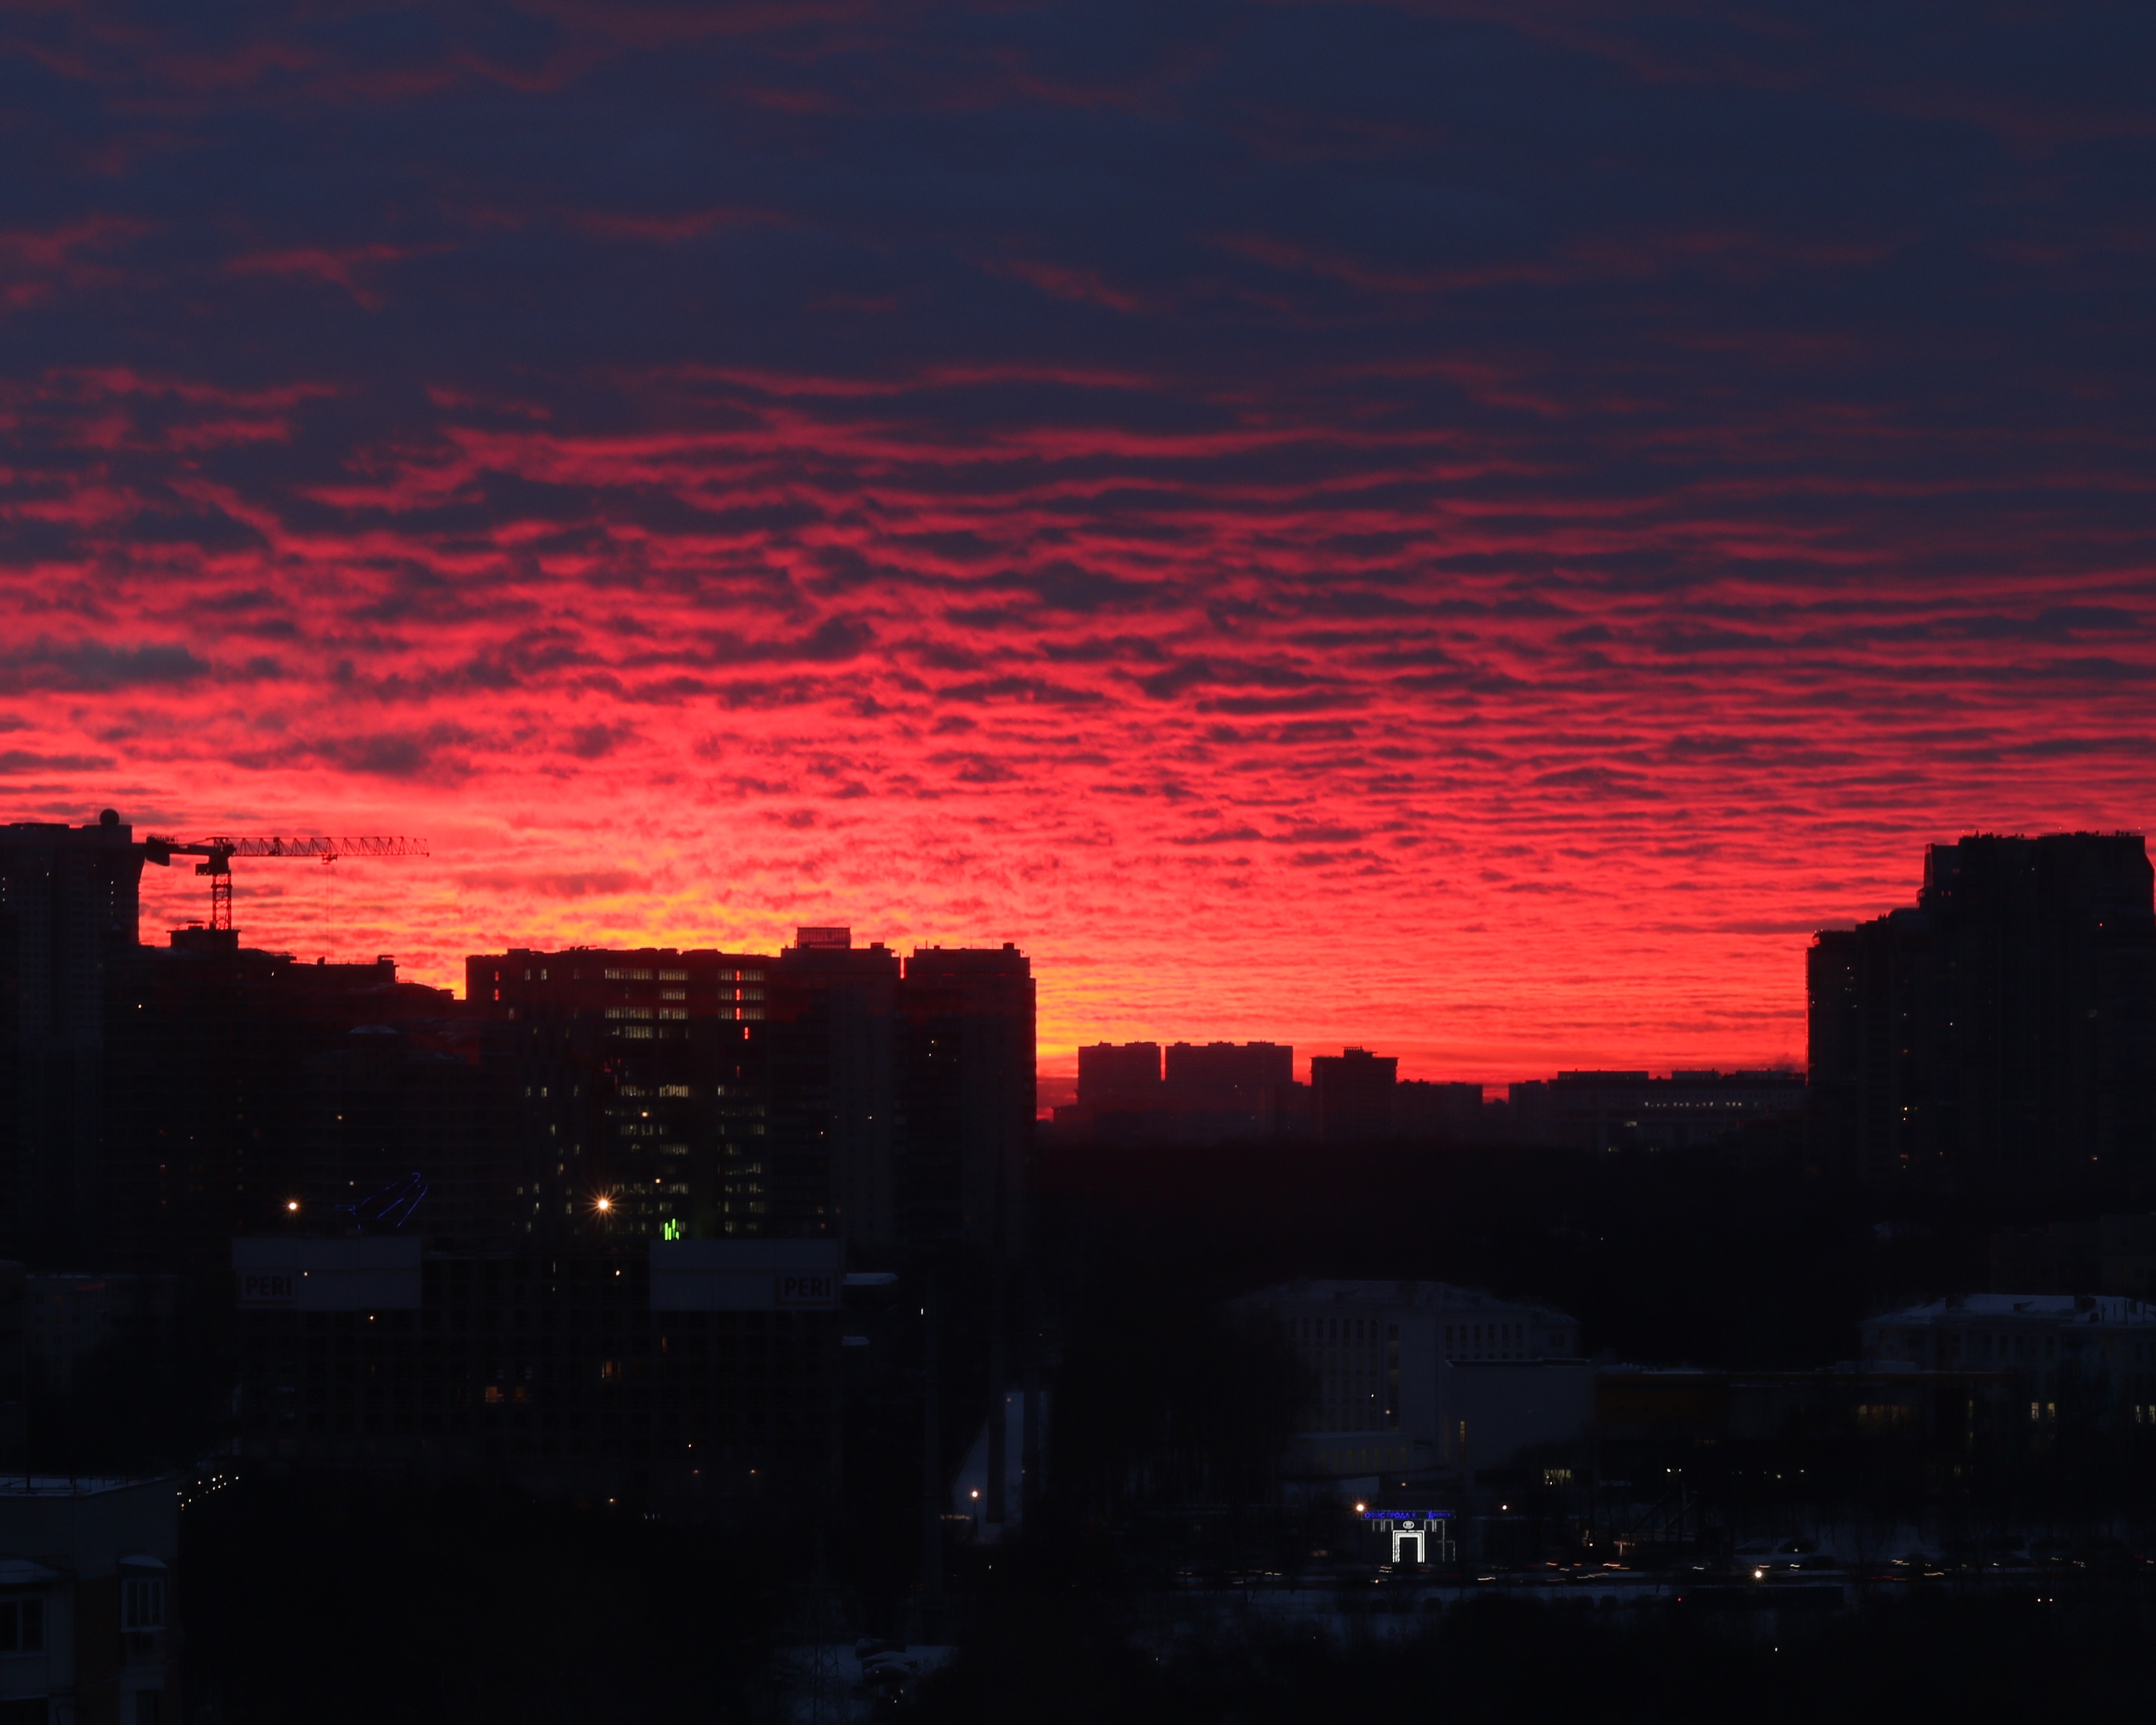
column 218, row 851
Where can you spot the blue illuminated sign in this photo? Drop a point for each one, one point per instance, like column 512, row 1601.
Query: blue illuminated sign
column 1407, row 1515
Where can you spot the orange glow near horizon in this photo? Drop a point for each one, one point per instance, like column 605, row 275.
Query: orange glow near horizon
column 1429, row 528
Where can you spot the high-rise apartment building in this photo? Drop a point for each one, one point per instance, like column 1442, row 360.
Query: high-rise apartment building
column 2006, row 1024
column 826, row 1091
column 70, row 905
column 640, row 1083
column 829, row 1072
column 969, row 1091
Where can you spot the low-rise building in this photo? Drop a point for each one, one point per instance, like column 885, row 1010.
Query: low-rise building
column 1412, row 1377
column 87, row 1634
column 2093, row 1355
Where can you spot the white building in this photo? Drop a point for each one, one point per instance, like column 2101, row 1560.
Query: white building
column 2095, row 1351
column 85, row 1630
column 1410, row 1377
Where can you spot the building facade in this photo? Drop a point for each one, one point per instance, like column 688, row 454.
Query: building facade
column 695, row 1374
column 1410, row 1378
column 2085, row 1358
column 639, row 1083
column 88, row 1632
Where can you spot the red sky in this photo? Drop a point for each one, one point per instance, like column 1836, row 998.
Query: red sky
column 1469, row 537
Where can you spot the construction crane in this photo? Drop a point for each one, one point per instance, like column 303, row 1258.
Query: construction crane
column 217, row 852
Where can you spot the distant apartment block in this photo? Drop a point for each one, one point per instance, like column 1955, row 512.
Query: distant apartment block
column 1351, row 1096
column 1449, row 1114
column 1615, row 1111
column 1114, row 1076
column 1203, row 1093
column 1227, row 1093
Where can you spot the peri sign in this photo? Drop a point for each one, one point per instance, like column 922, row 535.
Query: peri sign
column 747, row 1274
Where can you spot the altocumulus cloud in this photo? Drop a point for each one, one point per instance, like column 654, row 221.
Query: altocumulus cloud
column 1680, row 461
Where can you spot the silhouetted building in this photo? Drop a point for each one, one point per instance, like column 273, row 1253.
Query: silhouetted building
column 69, row 903
column 1446, row 1113
column 1211, row 1093
column 830, row 1077
column 1219, row 1091
column 968, row 1086
column 2008, row 1024
column 1352, row 1096
column 1613, row 1111
column 216, row 1052
column 1120, row 1077
column 1287, row 1113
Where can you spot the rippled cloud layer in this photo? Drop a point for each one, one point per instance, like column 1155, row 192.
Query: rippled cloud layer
column 1472, row 528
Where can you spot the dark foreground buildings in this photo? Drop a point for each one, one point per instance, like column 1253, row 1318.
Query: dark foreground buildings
column 183, row 1121
column 700, row 1376
column 2004, row 1026
column 156, row 1101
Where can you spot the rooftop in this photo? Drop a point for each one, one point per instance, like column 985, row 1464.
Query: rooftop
column 59, row 1486
column 2054, row 1308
